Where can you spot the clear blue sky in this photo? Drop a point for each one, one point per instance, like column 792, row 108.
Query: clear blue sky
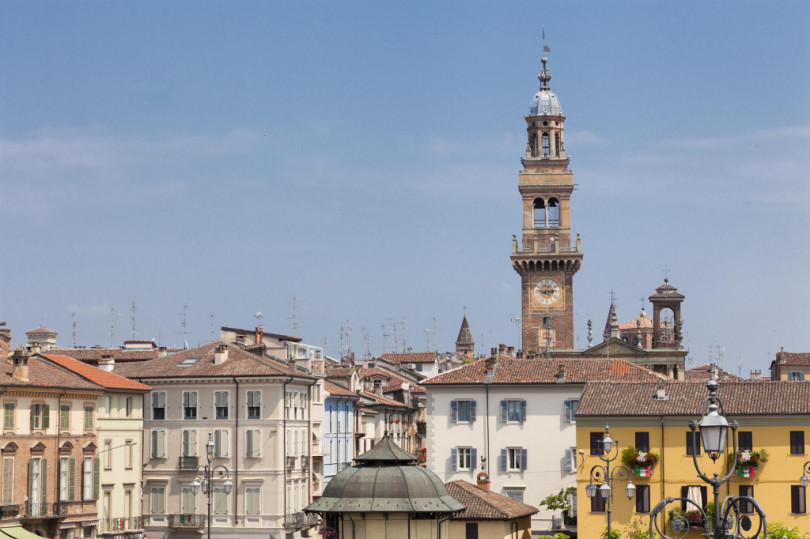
column 363, row 157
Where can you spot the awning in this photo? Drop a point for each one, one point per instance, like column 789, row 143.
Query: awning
column 18, row 532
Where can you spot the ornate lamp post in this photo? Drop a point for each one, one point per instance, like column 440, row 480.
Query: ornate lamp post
column 804, row 480
column 604, row 475
column 207, row 473
column 729, row 520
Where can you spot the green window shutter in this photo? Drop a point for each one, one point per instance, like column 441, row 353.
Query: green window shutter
column 46, row 416
column 8, row 480
column 9, row 418
column 33, row 414
column 95, row 478
column 30, row 477
column 71, row 479
column 43, row 475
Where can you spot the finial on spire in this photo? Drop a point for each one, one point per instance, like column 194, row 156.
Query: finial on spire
column 544, row 76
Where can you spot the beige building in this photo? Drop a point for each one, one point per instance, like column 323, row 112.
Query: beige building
column 488, row 514
column 256, row 412
column 790, row 366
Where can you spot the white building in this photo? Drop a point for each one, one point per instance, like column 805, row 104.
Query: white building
column 514, row 419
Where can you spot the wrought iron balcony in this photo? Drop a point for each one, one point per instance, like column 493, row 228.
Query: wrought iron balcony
column 300, row 520
column 119, row 524
column 186, row 521
column 38, row 509
column 290, row 463
column 188, row 463
column 9, row 511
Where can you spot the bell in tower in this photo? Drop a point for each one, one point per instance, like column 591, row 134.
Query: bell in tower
column 546, row 259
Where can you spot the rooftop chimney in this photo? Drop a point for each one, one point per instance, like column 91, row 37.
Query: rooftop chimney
column 20, row 361
column 163, row 351
column 220, row 354
column 106, row 362
column 492, row 360
column 259, row 334
column 510, row 351
column 483, row 481
column 756, row 375
column 560, row 373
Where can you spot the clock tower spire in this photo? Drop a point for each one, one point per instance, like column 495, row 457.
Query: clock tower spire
column 547, row 257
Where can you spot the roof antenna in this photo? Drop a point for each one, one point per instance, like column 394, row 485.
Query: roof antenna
column 73, row 315
column 132, row 319
column 211, row 316
column 545, row 47
column 112, row 326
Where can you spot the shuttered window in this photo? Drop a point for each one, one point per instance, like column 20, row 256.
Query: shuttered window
column 189, row 443
column 64, row 417
column 158, row 444
column 797, row 499
column 158, row 405
column 220, row 443
column 253, row 443
column 189, row 405
column 642, row 498
column 157, row 500
column 797, row 442
column 690, row 436
column 745, row 505
column 222, row 404
column 253, row 500
column 513, row 411
column 220, row 501
column 188, row 502
column 254, row 404
column 8, row 480
column 571, row 406
column 89, row 412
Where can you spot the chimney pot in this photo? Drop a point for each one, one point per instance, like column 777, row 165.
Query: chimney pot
column 20, row 361
column 483, row 481
column 220, row 354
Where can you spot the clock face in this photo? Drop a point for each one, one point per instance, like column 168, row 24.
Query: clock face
column 547, row 291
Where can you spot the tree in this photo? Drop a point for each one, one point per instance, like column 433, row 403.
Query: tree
column 561, row 500
column 777, row 530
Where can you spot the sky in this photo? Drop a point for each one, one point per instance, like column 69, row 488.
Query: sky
column 355, row 164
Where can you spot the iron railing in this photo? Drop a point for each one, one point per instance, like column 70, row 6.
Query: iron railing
column 290, row 463
column 300, row 520
column 186, row 520
column 119, row 524
column 188, row 463
column 39, row 509
column 10, row 511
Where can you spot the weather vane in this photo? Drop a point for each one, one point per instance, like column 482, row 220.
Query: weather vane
column 545, row 47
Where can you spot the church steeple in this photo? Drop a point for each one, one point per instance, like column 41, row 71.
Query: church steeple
column 548, row 256
column 464, row 344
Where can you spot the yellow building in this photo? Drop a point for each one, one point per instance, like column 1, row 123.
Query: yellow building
column 774, row 422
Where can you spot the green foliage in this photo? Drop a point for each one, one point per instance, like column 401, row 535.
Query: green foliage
column 614, row 534
column 637, row 530
column 561, row 500
column 630, row 457
column 777, row 530
column 560, row 535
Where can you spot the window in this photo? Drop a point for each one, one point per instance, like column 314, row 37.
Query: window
column 64, row 417
column 188, row 501
column 797, row 499
column 570, row 459
column 189, row 361
column 158, row 444
column 642, row 498
column 221, row 443
column 89, row 420
column 462, row 411
column 105, row 405
column 128, row 454
column 745, row 440
column 158, row 405
column 220, row 501
column 316, row 393
column 157, row 500
column 8, row 415
column 571, row 406
column 545, row 145
column 513, row 459
column 107, row 454
column 90, row 478
column 797, row 442
column 222, row 402
column 254, row 404
column 189, row 405
column 796, row 376
column 463, row 458
column 697, row 493
column 513, row 411
column 515, row 494
column 553, row 212
column 40, row 416
column 189, row 443
column 643, row 441
column 128, row 407
column 253, row 443
column 8, row 480
column 693, row 443
column 63, row 479
column 539, row 213
column 253, row 500
column 598, row 502
column 746, row 506
column 471, row 530
column 596, row 443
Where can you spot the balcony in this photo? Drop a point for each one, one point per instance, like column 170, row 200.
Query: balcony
column 186, row 521
column 300, row 520
column 109, row 525
column 9, row 511
column 188, row 463
column 305, row 463
column 290, row 463
column 39, row 510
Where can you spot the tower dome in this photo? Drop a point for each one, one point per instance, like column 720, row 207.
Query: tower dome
column 545, row 102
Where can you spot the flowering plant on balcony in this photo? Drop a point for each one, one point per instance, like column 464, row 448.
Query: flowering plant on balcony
column 641, row 462
column 748, row 461
column 327, row 531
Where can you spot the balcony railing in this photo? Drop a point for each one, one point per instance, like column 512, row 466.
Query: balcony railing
column 300, row 520
column 9, row 511
column 119, row 524
column 305, row 463
column 39, row 509
column 187, row 521
column 290, row 463
column 188, row 463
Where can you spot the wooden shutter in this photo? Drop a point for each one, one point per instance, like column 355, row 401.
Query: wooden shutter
column 522, row 410
column 473, row 458
column 8, row 480
column 71, row 479
column 569, row 460
column 95, row 478
column 43, row 482
column 504, row 457
column 154, row 444
column 569, row 416
column 30, row 477
column 221, row 443
column 472, row 410
column 220, row 501
column 523, row 454
column 453, row 458
column 46, row 416
column 454, row 411
column 504, row 411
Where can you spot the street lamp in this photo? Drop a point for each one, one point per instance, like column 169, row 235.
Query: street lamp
column 604, row 475
column 729, row 520
column 803, row 480
column 207, row 472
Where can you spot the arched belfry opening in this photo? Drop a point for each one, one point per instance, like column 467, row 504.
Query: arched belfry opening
column 546, row 145
column 553, row 213
column 539, row 213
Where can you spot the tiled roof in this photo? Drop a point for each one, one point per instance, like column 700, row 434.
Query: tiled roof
column 411, row 357
column 381, row 399
column 486, row 505
column 394, row 379
column 42, row 329
column 703, row 373
column 793, row 358
column 42, row 373
column 337, row 391
column 239, row 363
column 645, row 322
column 94, row 374
column 511, row 370
column 92, row 355
column 338, row 372
column 687, row 398
column 395, row 384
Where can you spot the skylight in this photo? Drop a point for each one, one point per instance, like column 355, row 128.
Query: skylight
column 189, row 361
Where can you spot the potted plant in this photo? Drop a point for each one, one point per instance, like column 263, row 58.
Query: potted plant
column 693, row 517
column 640, row 462
column 748, row 461
column 327, row 531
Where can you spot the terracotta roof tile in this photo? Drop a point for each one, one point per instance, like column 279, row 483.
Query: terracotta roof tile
column 645, row 322
column 41, row 329
column 687, row 398
column 382, row 399
column 511, row 370
column 239, row 363
column 338, row 372
column 411, row 357
column 703, row 373
column 484, row 504
column 798, row 359
column 394, row 379
column 105, row 379
column 42, row 373
column 92, row 355
column 337, row 391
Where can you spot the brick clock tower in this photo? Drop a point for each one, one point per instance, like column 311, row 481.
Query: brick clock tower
column 547, row 258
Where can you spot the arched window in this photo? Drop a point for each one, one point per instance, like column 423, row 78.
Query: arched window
column 545, row 145
column 533, row 144
column 539, row 213
column 553, row 212
column 557, row 145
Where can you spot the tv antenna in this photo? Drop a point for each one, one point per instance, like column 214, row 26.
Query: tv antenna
column 427, row 339
column 132, row 319
column 294, row 325
column 259, row 316
column 112, row 326
column 73, row 315
column 211, row 316
column 184, row 323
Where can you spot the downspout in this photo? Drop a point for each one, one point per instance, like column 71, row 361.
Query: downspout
column 663, row 471
column 58, row 437
column 284, row 441
column 308, row 443
column 236, row 457
column 486, row 428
